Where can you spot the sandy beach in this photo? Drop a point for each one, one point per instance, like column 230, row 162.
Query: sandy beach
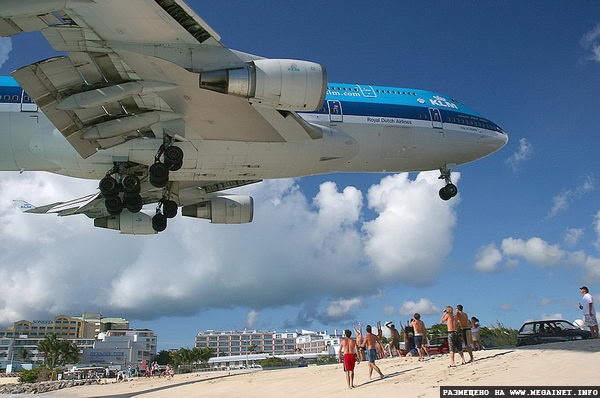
column 558, row 364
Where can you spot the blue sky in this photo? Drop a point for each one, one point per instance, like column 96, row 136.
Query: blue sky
column 326, row 252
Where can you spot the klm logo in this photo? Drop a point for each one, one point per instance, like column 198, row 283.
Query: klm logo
column 294, row 68
column 441, row 101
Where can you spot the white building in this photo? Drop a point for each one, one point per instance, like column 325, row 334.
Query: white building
column 122, row 348
column 231, row 343
column 318, row 343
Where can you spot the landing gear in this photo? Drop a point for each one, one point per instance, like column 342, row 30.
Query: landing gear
column 158, row 173
column 129, row 186
column 166, row 209
column 450, row 190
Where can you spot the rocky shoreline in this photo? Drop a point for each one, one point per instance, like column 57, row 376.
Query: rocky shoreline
column 46, row 386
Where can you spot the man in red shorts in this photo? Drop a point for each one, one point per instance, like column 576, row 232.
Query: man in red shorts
column 349, row 350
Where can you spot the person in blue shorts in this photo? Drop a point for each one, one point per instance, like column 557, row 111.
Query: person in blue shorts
column 371, row 341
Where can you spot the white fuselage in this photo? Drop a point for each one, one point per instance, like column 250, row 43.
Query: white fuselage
column 28, row 141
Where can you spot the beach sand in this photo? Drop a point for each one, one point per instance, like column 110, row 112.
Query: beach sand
column 558, row 364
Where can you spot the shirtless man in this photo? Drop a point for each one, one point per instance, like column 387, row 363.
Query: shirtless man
column 359, row 342
column 350, row 350
column 420, row 331
column 371, row 342
column 395, row 343
column 463, row 320
column 453, row 337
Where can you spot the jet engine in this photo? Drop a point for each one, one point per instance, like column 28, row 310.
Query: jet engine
column 283, row 84
column 230, row 209
column 128, row 223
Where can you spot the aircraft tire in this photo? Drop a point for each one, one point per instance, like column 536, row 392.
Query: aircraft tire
column 175, row 166
column 159, row 222
column 133, row 202
column 114, row 205
column 169, row 208
column 443, row 194
column 158, row 175
column 173, row 155
column 451, row 190
column 131, row 184
column 108, row 186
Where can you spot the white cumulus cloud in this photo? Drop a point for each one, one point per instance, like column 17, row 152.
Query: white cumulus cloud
column 423, row 307
column 534, row 250
column 488, row 258
column 413, row 232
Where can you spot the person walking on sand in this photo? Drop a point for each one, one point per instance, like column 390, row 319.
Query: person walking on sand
column 371, row 343
column 453, row 337
column 589, row 313
column 465, row 329
column 420, row 331
column 350, row 358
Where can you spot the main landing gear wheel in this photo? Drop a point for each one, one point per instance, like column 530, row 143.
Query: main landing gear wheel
column 108, row 186
column 169, row 208
column 159, row 222
column 131, row 184
column 114, row 205
column 158, row 173
column 133, row 202
column 173, row 157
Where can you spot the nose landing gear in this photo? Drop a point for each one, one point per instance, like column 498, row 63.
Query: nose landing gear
column 450, row 190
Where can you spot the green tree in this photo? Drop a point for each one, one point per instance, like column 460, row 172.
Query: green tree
column 58, row 352
column 164, row 358
column 23, row 354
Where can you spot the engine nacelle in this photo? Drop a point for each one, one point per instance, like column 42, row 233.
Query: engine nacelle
column 284, row 84
column 229, row 209
column 128, row 223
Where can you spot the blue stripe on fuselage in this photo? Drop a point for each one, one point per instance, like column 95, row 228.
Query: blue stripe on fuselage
column 403, row 103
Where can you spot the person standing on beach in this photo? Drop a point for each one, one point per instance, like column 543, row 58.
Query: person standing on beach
column 465, row 329
column 475, row 333
column 359, row 342
column 350, row 356
column 395, row 343
column 420, row 331
column 371, row 342
column 453, row 337
column 589, row 313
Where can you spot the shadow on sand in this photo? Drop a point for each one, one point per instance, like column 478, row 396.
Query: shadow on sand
column 174, row 385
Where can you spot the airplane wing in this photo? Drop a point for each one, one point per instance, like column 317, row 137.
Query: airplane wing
column 92, row 205
column 135, row 68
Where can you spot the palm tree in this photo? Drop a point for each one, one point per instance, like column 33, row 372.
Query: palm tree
column 58, row 352
column 23, row 354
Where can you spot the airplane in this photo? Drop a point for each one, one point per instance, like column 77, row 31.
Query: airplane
column 148, row 100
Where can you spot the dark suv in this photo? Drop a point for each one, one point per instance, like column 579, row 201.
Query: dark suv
column 550, row 331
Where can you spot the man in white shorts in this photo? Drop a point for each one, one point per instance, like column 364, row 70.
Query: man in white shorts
column 589, row 313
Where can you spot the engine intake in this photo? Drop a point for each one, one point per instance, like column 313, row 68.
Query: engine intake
column 230, row 209
column 284, row 84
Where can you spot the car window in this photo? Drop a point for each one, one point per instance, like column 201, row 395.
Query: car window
column 527, row 329
column 564, row 325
